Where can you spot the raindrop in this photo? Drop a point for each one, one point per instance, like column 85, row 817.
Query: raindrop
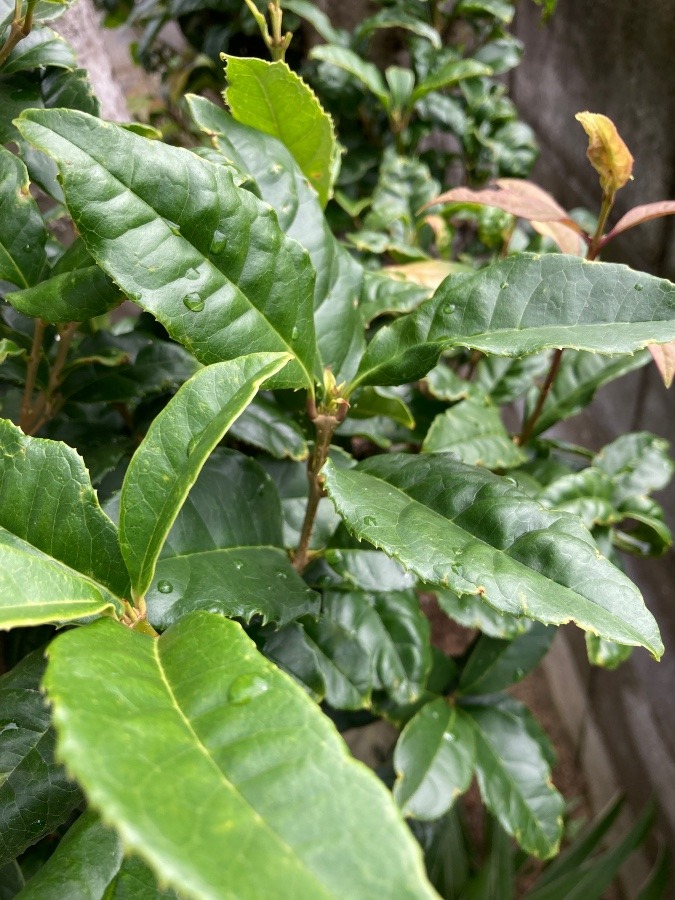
column 192, row 446
column 218, row 242
column 246, row 688
column 276, row 169
column 449, row 308
column 192, row 274
column 10, row 726
column 282, row 575
column 638, row 287
column 448, row 736
column 239, row 566
column 165, row 587
column 193, row 301
column 295, row 334
column 173, row 228
column 504, row 285
column 369, row 520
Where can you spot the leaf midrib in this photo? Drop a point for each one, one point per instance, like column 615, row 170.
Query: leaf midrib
column 229, row 785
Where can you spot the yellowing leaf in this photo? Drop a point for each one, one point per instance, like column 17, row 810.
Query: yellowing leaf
column 664, row 357
column 608, row 154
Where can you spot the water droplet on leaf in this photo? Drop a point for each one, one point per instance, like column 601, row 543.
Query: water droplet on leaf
column 449, row 308
column 193, row 302
column 246, row 688
column 10, row 726
column 173, row 228
column 295, row 334
column 638, row 287
column 448, row 736
column 192, row 274
column 165, row 587
column 369, row 520
column 218, row 242
column 504, row 285
column 239, row 566
column 282, row 575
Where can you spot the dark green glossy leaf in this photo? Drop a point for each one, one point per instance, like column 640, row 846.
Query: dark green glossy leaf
column 35, row 794
column 461, row 527
column 471, row 612
column 496, row 664
column 473, row 430
column 72, row 297
column 373, row 402
column 317, row 19
column 394, row 637
column 50, row 476
column 444, row 384
column 264, row 424
column 580, row 375
column 292, row 651
column 224, row 552
column 269, row 97
column 495, row 878
column 193, row 256
column 89, row 863
column 341, row 658
column 507, row 379
column 514, row 777
column 450, row 74
column 434, row 760
column 365, row 568
column 397, row 18
column 42, row 47
column 384, row 295
column 177, row 445
column 445, row 853
column 22, row 231
column 339, row 330
column 522, row 305
column 588, row 494
column 248, row 755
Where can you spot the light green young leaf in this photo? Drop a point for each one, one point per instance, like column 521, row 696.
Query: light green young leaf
column 225, row 552
column 206, row 257
column 177, row 445
column 450, row 74
column 461, row 527
column 434, row 760
column 271, row 98
column 249, row 757
column 606, row 654
column 514, row 776
column 35, row 794
column 522, row 305
column 474, row 431
column 22, row 231
column 71, row 526
column 339, row 328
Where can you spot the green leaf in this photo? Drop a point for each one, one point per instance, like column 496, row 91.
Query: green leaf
column 461, row 527
column 522, row 305
column 365, row 568
column 364, row 72
column 445, row 853
column 495, row 878
column 9, row 348
column 451, row 74
column 505, row 380
column 252, row 756
column 71, row 297
column 373, row 402
column 606, row 654
column 394, row 637
column 89, row 863
column 474, row 431
column 177, row 252
column 71, row 526
column 579, row 376
column 22, row 231
column 396, row 18
column 638, row 463
column 317, row 19
column 271, row 98
column 444, row 384
column 36, row 588
column 225, row 553
column 44, row 10
column 496, row 664
column 471, row 612
column 264, row 424
column 339, row 329
column 499, row 9
column 35, row 794
column 434, row 760
column 177, row 445
column 588, row 494
column 514, row 777
column 383, row 295
column 290, row 649
column 42, row 47
column 341, row 658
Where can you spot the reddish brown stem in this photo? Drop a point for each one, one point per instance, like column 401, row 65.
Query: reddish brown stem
column 528, row 427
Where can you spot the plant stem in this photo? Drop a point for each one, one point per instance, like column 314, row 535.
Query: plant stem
column 276, row 43
column 45, row 408
column 596, row 241
column 19, row 29
column 324, row 426
column 31, row 375
column 528, row 427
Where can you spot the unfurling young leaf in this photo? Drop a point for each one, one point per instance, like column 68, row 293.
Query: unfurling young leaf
column 608, row 154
